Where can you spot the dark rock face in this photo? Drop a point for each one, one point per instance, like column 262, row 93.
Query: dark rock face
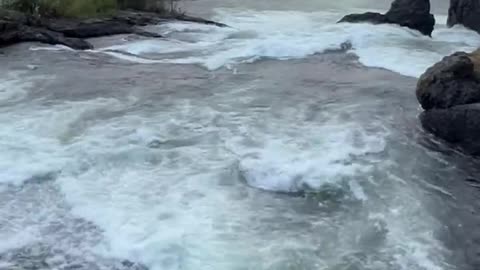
column 89, row 29
column 449, row 91
column 452, row 81
column 50, row 37
column 414, row 14
column 459, row 125
column 466, row 12
column 12, row 32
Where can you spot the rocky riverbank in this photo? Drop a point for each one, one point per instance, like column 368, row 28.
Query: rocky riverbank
column 449, row 92
column 17, row 27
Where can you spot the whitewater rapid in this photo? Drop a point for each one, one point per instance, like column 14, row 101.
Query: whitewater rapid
column 257, row 35
column 267, row 145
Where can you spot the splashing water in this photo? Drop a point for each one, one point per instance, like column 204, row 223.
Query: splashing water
column 165, row 159
column 288, row 35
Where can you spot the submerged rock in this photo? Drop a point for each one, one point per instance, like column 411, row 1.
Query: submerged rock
column 449, row 91
column 465, row 12
column 414, row 14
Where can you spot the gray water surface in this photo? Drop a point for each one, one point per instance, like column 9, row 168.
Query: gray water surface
column 310, row 163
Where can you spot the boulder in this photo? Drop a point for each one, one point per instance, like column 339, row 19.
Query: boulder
column 449, row 91
column 414, row 14
column 459, row 125
column 465, row 12
column 31, row 34
column 455, row 80
column 90, row 28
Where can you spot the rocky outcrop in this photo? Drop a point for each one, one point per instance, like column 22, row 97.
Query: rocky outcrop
column 414, row 14
column 32, row 34
column 465, row 12
column 449, row 92
column 17, row 27
column 450, row 82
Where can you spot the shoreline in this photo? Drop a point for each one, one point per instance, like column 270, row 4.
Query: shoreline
column 17, row 27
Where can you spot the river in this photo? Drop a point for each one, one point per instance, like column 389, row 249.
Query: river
column 284, row 142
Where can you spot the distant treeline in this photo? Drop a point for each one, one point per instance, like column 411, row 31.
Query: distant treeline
column 82, row 8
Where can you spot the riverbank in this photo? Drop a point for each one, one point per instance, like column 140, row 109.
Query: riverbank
column 17, row 27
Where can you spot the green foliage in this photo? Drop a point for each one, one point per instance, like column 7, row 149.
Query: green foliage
column 85, row 8
column 28, row 6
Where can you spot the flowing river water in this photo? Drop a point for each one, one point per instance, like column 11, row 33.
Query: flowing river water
column 284, row 142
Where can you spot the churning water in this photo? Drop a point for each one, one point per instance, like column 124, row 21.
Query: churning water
column 266, row 145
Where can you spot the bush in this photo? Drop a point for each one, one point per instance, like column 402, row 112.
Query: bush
column 82, row 8
column 28, row 6
column 159, row 6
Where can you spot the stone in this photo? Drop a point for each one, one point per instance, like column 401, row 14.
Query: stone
column 459, row 125
column 464, row 12
column 452, row 81
column 414, row 14
column 370, row 17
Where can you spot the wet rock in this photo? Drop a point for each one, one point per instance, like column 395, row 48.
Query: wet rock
column 459, row 125
column 370, row 17
column 90, row 28
column 449, row 91
column 414, row 14
column 142, row 33
column 17, row 27
column 455, row 80
column 31, row 34
column 465, row 12
column 183, row 17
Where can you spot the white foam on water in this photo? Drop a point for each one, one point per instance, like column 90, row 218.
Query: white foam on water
column 13, row 88
column 288, row 35
column 286, row 168
column 39, row 150
column 164, row 206
column 51, row 48
column 17, row 240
